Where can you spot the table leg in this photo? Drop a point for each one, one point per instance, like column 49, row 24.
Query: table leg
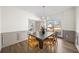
column 41, row 44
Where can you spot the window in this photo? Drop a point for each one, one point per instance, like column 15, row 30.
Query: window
column 54, row 25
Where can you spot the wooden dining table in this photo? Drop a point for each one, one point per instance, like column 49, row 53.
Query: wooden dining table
column 42, row 37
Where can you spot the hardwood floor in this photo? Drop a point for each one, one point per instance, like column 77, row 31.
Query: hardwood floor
column 22, row 47
column 66, row 47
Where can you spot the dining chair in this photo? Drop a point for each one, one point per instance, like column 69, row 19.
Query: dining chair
column 51, row 43
column 32, row 43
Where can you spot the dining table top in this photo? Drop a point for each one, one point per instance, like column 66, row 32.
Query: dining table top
column 42, row 36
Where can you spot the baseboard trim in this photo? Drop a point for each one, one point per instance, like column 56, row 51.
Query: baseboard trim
column 13, row 37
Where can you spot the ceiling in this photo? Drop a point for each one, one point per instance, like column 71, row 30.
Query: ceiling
column 46, row 11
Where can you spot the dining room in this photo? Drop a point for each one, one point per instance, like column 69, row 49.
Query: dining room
column 39, row 29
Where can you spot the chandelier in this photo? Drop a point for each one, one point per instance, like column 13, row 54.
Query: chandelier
column 43, row 16
column 43, row 12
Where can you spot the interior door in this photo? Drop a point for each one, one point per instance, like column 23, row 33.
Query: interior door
column 31, row 26
column 34, row 25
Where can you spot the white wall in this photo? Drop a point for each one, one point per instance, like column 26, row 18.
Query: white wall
column 77, row 19
column 67, row 18
column 77, row 26
column 0, row 28
column 14, row 19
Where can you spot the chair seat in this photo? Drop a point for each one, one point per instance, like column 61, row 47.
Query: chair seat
column 32, row 42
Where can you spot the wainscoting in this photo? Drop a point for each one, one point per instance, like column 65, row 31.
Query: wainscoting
column 69, row 36
column 77, row 41
column 10, row 38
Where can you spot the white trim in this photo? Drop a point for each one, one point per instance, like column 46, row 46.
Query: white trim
column 77, row 47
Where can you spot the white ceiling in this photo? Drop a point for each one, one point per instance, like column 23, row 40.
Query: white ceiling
column 47, row 11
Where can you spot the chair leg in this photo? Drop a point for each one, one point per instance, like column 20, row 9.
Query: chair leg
column 28, row 47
